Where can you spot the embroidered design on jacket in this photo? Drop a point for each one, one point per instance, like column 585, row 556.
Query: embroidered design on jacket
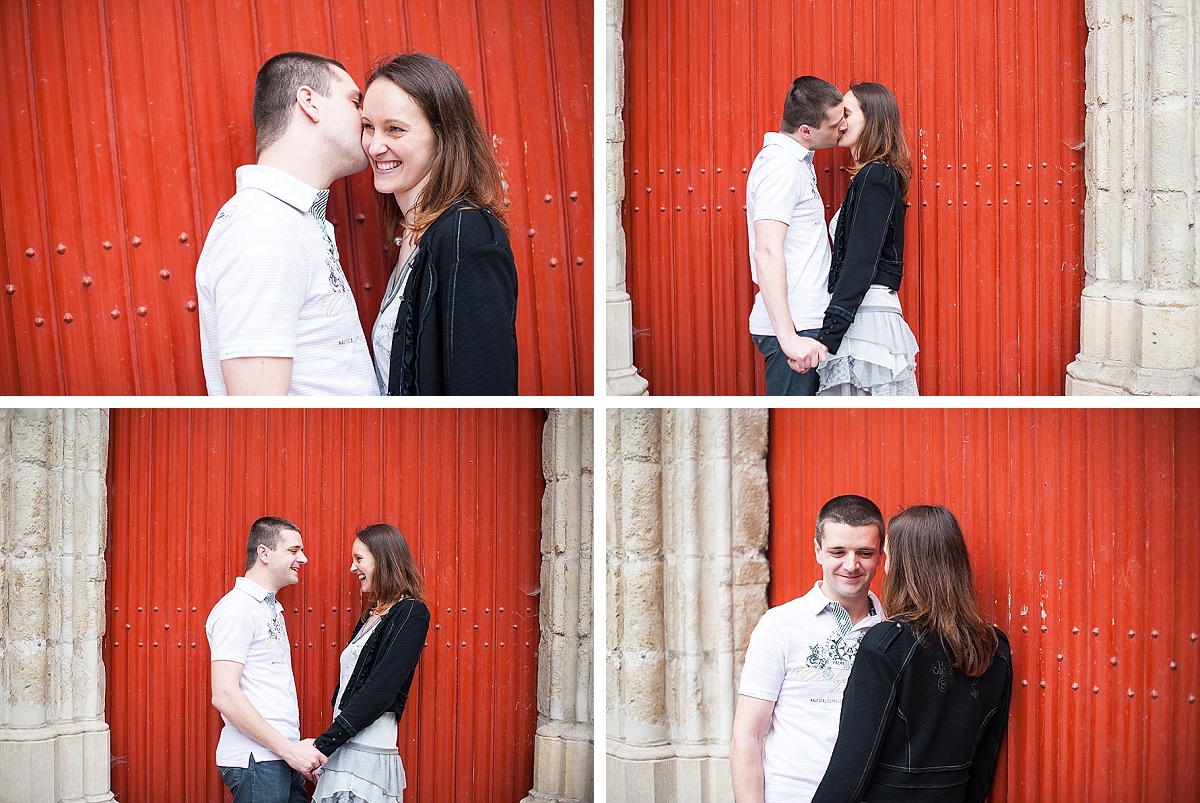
column 945, row 675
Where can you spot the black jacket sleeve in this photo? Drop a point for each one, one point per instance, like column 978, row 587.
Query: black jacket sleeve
column 983, row 769
column 397, row 660
column 868, row 708
column 480, row 323
column 876, row 204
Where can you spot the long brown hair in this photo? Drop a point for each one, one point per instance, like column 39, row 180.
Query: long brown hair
column 464, row 165
column 882, row 138
column 928, row 584
column 396, row 574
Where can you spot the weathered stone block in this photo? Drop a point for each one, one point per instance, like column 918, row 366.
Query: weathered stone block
column 29, row 508
column 1168, row 330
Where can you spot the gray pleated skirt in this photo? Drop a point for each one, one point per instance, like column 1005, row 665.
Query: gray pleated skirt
column 878, row 355
column 358, row 774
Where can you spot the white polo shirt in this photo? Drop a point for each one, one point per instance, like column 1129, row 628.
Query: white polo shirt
column 799, row 657
column 246, row 629
column 783, row 186
column 270, row 285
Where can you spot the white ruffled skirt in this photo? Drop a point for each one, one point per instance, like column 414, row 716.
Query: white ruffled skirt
column 878, row 355
column 360, row 774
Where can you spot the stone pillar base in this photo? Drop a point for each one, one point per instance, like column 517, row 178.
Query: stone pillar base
column 667, row 778
column 1136, row 343
column 61, row 764
column 563, row 754
column 622, row 378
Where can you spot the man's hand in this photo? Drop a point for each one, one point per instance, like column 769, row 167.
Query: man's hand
column 303, row 757
column 803, row 353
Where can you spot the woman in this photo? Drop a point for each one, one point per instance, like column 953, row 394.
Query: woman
column 377, row 669
column 926, row 705
column 872, row 351
column 447, row 324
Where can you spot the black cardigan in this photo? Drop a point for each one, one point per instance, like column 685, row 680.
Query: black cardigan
column 383, row 674
column 913, row 729
column 458, row 335
column 868, row 247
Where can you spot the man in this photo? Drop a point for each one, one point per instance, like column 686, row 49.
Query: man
column 789, row 241
column 260, row 756
column 799, row 659
column 276, row 312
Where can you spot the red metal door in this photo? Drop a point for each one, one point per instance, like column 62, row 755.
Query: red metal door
column 1084, row 533
column 124, row 121
column 464, row 487
column 991, row 98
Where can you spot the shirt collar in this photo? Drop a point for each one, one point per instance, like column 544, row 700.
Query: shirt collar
column 287, row 188
column 252, row 588
column 788, row 144
column 817, row 603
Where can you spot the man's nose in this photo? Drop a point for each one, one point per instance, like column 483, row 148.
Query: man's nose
column 301, row 558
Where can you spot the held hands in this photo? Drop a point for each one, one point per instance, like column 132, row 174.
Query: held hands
column 306, row 759
column 803, row 353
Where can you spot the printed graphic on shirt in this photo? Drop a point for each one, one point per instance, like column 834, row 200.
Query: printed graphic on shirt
column 337, row 283
column 833, row 656
column 275, row 630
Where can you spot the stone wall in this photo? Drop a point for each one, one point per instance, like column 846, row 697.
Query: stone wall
column 563, row 745
column 54, row 743
column 686, row 577
column 1140, row 314
column 622, row 377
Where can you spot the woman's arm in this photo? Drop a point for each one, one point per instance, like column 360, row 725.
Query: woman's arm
column 397, row 660
column 873, row 211
column 868, row 708
column 480, row 324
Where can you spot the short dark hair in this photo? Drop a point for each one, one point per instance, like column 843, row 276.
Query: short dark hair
column 807, row 102
column 275, row 91
column 265, row 532
column 853, row 511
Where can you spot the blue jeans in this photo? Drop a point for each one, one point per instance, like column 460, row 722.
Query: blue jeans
column 264, row 782
column 781, row 379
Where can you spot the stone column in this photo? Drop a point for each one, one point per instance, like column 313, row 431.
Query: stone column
column 54, row 742
column 623, row 378
column 687, row 519
column 563, row 752
column 1140, row 316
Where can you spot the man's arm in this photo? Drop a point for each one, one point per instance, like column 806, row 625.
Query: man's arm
column 750, row 723
column 802, row 352
column 257, row 376
column 230, row 700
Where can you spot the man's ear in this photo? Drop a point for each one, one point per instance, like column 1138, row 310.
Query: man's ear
column 304, row 99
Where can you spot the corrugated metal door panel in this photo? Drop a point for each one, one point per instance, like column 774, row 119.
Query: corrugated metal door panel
column 994, row 233
column 1084, row 532
column 113, row 177
column 184, row 486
